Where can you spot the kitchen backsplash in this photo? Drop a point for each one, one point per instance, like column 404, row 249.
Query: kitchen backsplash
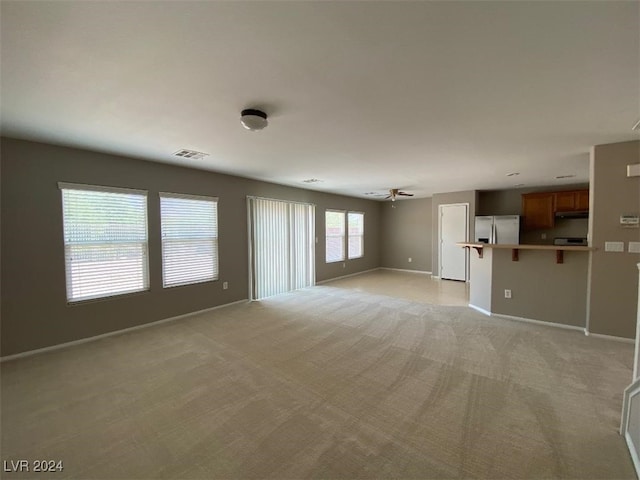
column 565, row 227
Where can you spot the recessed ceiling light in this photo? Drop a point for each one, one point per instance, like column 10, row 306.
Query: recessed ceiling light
column 513, row 174
column 311, row 180
column 564, row 176
column 185, row 153
column 519, row 185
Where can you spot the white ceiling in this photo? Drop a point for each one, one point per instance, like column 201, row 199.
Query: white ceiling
column 425, row 96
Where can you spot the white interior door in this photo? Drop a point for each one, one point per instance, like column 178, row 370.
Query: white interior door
column 454, row 222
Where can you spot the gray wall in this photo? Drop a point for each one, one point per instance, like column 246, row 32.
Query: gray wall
column 613, row 278
column 405, row 232
column 34, row 309
column 541, row 289
column 509, row 202
column 470, row 197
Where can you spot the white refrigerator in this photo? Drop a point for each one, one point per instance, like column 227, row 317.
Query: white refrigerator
column 503, row 229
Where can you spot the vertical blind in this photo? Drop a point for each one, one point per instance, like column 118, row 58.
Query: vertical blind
column 356, row 234
column 281, row 245
column 335, row 232
column 189, row 239
column 105, row 241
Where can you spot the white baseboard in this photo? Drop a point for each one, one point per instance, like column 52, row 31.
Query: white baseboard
column 552, row 324
column 538, row 322
column 347, row 276
column 609, row 337
column 422, row 272
column 481, row 310
column 80, row 341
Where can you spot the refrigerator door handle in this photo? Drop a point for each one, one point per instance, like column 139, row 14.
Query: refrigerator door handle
column 495, row 234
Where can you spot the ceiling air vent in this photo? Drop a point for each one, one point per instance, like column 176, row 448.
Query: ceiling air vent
column 311, row 180
column 184, row 153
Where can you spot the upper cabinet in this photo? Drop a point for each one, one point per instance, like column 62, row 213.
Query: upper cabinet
column 539, row 209
column 582, row 200
column 572, row 201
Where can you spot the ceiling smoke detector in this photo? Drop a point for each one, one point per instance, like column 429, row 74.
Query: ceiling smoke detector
column 253, row 120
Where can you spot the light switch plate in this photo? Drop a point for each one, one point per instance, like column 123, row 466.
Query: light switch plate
column 634, row 247
column 614, row 246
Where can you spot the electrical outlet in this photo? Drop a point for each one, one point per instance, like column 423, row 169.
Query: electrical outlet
column 507, row 293
column 225, row 285
column 344, row 265
column 543, row 236
column 410, row 260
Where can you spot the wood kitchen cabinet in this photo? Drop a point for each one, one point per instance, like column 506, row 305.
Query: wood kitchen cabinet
column 538, row 210
column 582, row 200
column 572, row 201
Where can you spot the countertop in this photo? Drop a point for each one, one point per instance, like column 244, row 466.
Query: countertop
column 524, row 246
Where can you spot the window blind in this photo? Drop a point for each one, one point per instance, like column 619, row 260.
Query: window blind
column 189, row 239
column 335, row 232
column 281, row 246
column 105, row 241
column 355, row 222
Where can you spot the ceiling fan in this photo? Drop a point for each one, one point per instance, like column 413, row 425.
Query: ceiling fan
column 395, row 192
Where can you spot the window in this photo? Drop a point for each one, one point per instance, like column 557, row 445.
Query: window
column 356, row 234
column 335, row 233
column 189, row 239
column 105, row 241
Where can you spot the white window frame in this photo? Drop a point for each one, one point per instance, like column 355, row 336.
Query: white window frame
column 215, row 266
column 343, row 236
column 74, row 279
column 349, row 236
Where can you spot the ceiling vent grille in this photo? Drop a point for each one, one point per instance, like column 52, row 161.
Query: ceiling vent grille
column 184, row 153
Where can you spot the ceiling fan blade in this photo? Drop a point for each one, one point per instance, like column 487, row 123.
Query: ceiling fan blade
column 387, row 197
column 406, row 194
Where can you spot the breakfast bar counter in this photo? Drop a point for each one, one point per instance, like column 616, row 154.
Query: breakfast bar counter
column 543, row 283
column 558, row 249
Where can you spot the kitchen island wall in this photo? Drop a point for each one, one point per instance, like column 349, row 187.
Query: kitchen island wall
column 541, row 289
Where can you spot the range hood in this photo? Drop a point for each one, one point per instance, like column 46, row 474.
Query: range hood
column 573, row 214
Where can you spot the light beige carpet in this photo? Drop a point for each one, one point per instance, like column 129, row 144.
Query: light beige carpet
column 325, row 382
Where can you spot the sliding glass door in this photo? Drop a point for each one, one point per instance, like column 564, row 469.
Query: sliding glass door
column 281, row 246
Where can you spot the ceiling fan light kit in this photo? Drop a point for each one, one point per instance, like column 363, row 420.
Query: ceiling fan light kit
column 395, row 192
column 253, row 119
